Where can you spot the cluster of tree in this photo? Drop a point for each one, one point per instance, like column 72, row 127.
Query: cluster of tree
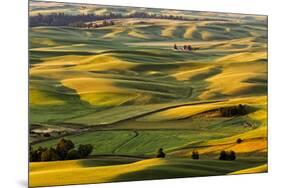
column 61, row 19
column 224, row 155
column 233, row 110
column 195, row 155
column 65, row 150
column 92, row 25
column 227, row 155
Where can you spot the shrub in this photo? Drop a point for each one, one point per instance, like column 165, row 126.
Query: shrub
column 160, row 153
column 195, row 155
column 85, row 150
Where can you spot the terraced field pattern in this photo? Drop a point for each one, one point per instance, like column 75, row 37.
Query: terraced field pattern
column 125, row 89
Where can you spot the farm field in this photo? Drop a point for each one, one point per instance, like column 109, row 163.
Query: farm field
column 126, row 85
column 84, row 171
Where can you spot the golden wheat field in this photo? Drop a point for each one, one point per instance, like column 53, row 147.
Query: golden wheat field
column 125, row 94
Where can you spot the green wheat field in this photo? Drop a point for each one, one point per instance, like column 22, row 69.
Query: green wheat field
column 121, row 80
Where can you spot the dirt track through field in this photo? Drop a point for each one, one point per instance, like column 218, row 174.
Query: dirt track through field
column 126, row 142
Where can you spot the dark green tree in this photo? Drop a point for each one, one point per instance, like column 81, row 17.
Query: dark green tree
column 49, row 155
column 232, row 155
column 239, row 140
column 160, row 153
column 223, row 155
column 242, row 109
column 63, row 147
column 85, row 150
column 73, row 154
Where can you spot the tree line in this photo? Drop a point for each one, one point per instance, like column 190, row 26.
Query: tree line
column 61, row 19
column 233, row 110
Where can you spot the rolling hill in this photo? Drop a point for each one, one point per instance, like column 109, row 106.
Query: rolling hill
column 124, row 89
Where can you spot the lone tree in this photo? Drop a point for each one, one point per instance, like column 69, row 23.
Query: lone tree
column 160, row 153
column 63, row 147
column 195, row 155
column 239, row 140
